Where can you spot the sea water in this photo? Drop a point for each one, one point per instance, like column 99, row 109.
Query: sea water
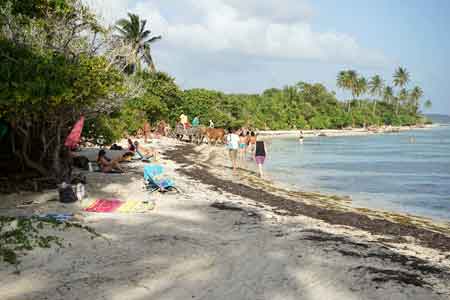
column 407, row 172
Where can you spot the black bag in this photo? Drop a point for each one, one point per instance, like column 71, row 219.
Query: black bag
column 116, row 147
column 81, row 162
column 66, row 194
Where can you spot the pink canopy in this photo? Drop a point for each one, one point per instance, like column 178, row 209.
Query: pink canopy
column 73, row 138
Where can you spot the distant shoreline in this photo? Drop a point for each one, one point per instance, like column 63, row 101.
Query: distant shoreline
column 342, row 132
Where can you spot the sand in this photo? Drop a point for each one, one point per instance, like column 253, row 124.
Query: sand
column 209, row 243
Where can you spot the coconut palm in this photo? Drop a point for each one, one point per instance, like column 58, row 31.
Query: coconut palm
column 352, row 77
column 388, row 94
column 343, row 82
column 402, row 97
column 428, row 104
column 376, row 86
column 361, row 86
column 415, row 96
column 133, row 33
column 401, row 78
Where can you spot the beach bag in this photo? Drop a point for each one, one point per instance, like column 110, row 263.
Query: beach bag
column 66, row 193
column 116, row 147
column 81, row 162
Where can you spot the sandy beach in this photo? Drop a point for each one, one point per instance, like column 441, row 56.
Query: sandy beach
column 226, row 236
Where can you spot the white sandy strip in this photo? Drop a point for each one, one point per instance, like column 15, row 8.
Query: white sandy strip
column 186, row 249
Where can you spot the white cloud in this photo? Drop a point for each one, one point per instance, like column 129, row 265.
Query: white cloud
column 262, row 28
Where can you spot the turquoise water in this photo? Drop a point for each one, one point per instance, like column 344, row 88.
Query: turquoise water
column 406, row 172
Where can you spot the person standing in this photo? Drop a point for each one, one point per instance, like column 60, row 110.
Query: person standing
column 252, row 143
column 232, row 140
column 260, row 155
column 211, row 124
column 242, row 146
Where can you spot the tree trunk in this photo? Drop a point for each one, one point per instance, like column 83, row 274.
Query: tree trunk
column 24, row 155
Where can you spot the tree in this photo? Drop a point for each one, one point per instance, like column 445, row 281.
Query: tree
column 361, row 86
column 49, row 76
column 343, row 80
column 388, row 94
column 376, row 86
column 428, row 104
column 132, row 31
column 401, row 77
column 415, row 96
column 347, row 80
column 402, row 97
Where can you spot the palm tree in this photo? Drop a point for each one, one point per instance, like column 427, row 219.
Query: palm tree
column 401, row 79
column 376, row 86
column 132, row 31
column 388, row 94
column 415, row 96
column 352, row 81
column 402, row 97
column 361, row 86
column 343, row 82
column 428, row 104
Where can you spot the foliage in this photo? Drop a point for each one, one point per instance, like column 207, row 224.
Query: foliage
column 49, row 76
column 133, row 32
column 19, row 235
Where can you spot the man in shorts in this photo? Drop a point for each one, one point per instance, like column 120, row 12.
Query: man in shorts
column 232, row 140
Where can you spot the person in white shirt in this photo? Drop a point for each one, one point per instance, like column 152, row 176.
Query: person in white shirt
column 232, row 141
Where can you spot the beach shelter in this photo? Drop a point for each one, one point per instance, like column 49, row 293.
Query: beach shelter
column 74, row 136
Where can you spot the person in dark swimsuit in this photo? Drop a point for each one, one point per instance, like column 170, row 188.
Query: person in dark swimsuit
column 260, row 155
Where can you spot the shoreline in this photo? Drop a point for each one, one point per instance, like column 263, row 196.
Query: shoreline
column 333, row 209
column 224, row 233
column 343, row 132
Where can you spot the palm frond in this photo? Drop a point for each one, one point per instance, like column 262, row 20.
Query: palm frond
column 153, row 39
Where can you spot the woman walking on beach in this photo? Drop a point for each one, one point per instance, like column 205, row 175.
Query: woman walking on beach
column 232, row 140
column 242, row 146
column 260, row 155
column 252, row 143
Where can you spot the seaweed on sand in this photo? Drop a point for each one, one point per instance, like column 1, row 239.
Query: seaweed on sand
column 291, row 207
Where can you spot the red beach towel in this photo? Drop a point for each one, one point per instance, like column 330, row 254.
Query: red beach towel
column 104, row 205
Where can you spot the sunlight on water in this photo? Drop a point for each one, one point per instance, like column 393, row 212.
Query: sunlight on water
column 390, row 171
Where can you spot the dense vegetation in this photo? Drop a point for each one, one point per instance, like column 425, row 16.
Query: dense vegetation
column 57, row 63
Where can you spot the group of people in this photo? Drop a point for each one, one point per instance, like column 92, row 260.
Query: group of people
column 240, row 142
column 184, row 120
column 134, row 151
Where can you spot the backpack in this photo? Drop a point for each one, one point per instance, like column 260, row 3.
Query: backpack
column 81, row 162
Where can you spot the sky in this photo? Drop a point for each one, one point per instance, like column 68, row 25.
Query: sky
column 247, row 46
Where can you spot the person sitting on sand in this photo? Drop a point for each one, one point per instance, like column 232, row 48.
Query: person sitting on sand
column 146, row 153
column 106, row 164
column 131, row 146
